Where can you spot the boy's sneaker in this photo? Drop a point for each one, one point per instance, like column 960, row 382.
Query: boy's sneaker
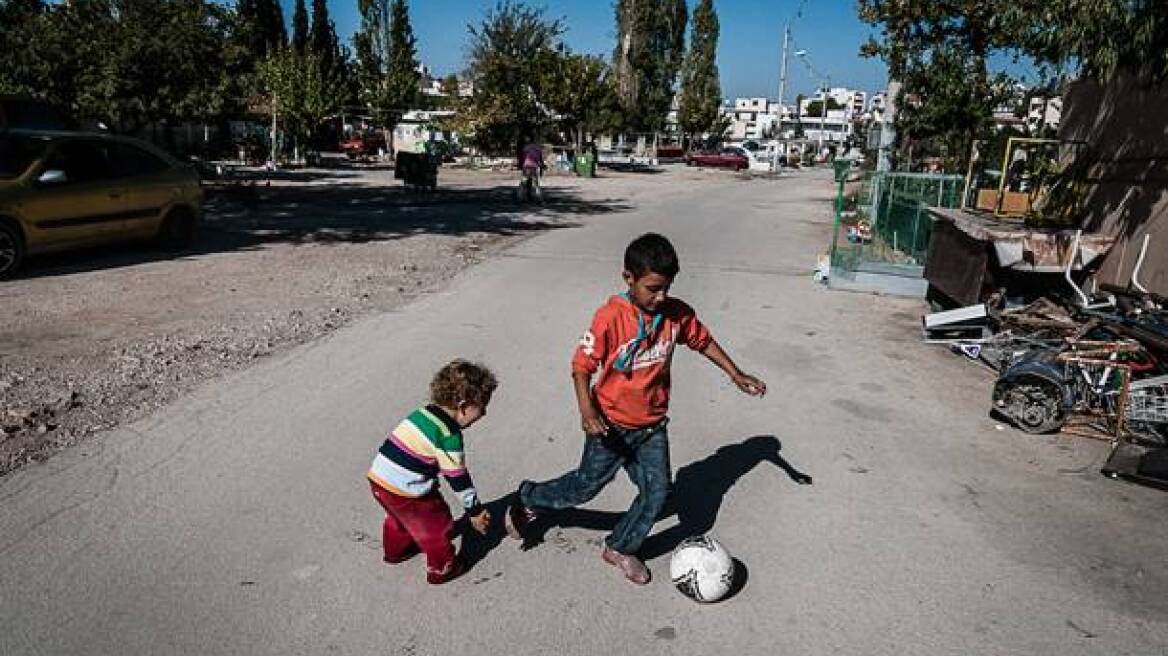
column 455, row 569
column 632, row 566
column 517, row 519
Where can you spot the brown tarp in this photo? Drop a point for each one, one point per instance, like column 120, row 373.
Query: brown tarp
column 956, row 264
column 1125, row 129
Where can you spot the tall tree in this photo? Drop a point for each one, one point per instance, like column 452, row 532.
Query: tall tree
column 701, row 89
column 263, row 22
column 1100, row 39
column 387, row 60
column 649, row 52
column 21, row 69
column 300, row 27
column 577, row 90
column 322, row 38
column 401, row 71
column 508, row 57
column 299, row 92
column 940, row 50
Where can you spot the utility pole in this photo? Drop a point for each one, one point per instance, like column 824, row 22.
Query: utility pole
column 775, row 165
column 823, row 114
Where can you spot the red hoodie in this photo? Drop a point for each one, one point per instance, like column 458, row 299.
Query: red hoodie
column 640, row 397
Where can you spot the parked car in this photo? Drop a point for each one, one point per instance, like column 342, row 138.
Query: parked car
column 22, row 113
column 65, row 190
column 360, row 146
column 732, row 158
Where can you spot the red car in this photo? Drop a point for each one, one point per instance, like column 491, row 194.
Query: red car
column 725, row 158
column 361, row 146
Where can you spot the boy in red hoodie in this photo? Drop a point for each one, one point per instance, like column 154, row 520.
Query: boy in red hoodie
column 629, row 349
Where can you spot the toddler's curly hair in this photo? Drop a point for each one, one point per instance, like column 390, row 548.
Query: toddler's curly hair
column 460, row 381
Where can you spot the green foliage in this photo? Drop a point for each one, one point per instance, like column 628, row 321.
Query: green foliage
column 939, row 50
column 124, row 62
column 450, row 85
column 402, row 75
column 387, row 59
column 576, row 88
column 648, row 56
column 815, row 107
column 300, row 92
column 509, row 60
column 701, row 89
column 300, row 27
column 262, row 26
column 1101, row 39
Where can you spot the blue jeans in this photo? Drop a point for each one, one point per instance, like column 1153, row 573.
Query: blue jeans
column 644, row 454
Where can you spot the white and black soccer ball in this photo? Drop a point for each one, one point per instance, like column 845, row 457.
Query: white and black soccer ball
column 702, row 569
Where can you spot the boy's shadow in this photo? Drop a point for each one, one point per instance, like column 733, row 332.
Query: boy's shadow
column 698, row 491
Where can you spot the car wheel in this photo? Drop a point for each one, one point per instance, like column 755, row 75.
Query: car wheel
column 11, row 249
column 178, row 229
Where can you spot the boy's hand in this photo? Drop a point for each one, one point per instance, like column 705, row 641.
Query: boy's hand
column 593, row 424
column 750, row 385
column 481, row 522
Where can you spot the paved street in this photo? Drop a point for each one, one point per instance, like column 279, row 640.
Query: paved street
column 238, row 520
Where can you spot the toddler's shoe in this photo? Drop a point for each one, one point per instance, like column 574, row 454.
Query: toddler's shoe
column 402, row 557
column 455, row 569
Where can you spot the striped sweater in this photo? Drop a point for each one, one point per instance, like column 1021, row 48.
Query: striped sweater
column 425, row 444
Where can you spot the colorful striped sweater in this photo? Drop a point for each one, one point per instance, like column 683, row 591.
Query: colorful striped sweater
column 425, row 444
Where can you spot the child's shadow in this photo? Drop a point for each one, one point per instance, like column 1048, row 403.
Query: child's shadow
column 698, row 491
column 475, row 547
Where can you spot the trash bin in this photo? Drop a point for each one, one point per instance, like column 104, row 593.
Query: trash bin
column 586, row 165
column 841, row 167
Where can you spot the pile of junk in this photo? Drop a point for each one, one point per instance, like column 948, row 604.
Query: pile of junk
column 1085, row 362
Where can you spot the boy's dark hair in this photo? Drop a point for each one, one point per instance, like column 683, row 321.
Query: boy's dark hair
column 651, row 253
column 462, row 381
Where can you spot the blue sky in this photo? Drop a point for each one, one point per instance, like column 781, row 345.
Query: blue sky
column 748, row 51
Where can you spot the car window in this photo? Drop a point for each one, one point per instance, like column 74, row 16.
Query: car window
column 82, row 160
column 17, row 153
column 132, row 161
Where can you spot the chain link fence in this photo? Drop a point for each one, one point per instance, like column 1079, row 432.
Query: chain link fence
column 891, row 223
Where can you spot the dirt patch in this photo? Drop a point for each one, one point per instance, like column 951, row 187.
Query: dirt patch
column 91, row 340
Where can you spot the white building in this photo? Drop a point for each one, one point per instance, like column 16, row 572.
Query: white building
column 753, row 119
column 852, row 101
column 877, row 106
column 836, row 127
column 1044, row 113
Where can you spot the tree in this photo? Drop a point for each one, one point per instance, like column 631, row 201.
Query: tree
column 701, row 89
column 815, row 107
column 322, row 39
column 509, row 56
column 649, row 53
column 22, row 69
column 402, row 74
column 300, row 27
column 450, row 85
column 578, row 91
column 939, row 50
column 1102, row 40
column 263, row 26
column 299, row 92
column 387, row 60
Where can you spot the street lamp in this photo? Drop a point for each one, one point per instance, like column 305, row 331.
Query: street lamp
column 802, row 54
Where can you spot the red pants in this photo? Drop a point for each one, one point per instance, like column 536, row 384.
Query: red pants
column 411, row 524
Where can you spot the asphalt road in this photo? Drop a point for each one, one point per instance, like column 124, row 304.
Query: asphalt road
column 238, row 520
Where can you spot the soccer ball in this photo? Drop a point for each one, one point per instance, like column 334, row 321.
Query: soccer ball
column 702, row 569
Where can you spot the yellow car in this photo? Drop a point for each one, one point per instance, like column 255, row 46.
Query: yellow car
column 66, row 190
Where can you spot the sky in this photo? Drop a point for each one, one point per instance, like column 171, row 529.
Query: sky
column 749, row 48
